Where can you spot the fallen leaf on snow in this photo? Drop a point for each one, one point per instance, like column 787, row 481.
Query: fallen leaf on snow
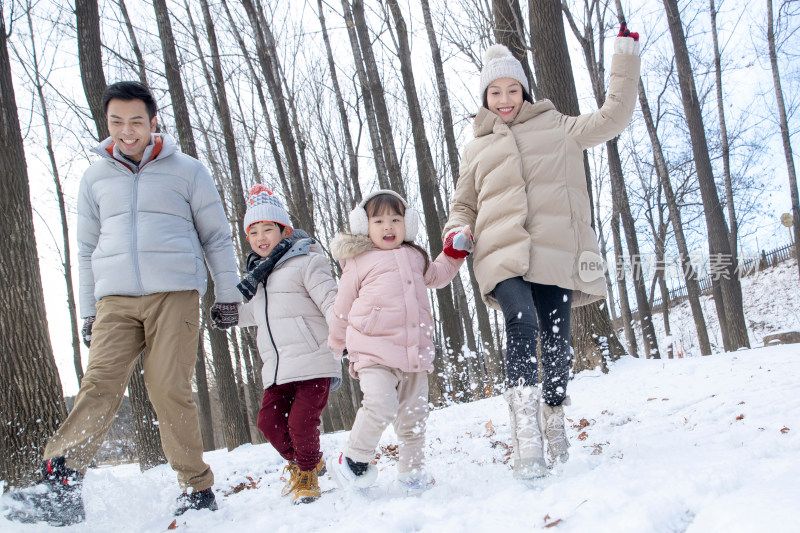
column 174, row 524
column 583, row 436
column 785, row 430
column 740, row 417
column 553, row 523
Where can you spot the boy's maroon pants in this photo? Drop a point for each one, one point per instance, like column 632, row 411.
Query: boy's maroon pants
column 290, row 417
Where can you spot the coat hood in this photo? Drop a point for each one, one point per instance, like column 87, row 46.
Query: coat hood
column 347, row 245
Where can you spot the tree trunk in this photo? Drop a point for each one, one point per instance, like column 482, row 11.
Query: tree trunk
column 224, row 115
column 90, row 58
column 268, row 59
column 348, row 141
column 240, row 385
column 592, row 330
column 145, row 422
column 619, row 193
column 622, row 287
column 689, row 273
column 719, row 248
column 453, row 338
column 134, row 44
column 31, row 399
column 366, row 95
column 203, row 398
column 785, row 137
column 36, row 78
column 509, row 30
column 733, row 234
column 233, row 427
column 254, row 390
column 376, row 90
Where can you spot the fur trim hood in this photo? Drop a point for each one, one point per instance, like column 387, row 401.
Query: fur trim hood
column 348, row 246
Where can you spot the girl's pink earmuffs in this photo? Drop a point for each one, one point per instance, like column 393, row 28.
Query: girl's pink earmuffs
column 359, row 222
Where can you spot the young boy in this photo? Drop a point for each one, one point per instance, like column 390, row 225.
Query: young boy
column 290, row 292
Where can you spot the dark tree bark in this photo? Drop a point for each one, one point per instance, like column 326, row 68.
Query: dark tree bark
column 376, row 90
column 785, row 138
column 366, row 95
column 689, row 273
column 90, row 59
column 509, row 30
column 487, row 347
column 595, row 64
column 134, row 44
column 270, row 68
column 730, row 308
column 454, row 340
column 348, row 141
column 234, row 430
column 593, row 335
column 145, row 427
column 733, row 233
column 38, row 82
column 203, row 398
column 31, row 399
column 224, row 115
column 241, row 387
column 622, row 286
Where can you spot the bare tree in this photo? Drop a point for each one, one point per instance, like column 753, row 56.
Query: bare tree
column 234, row 430
column 203, row 399
column 728, row 298
column 31, row 401
column 90, row 57
column 454, row 340
column 509, row 29
column 593, row 335
column 785, row 138
column 593, row 56
column 38, row 79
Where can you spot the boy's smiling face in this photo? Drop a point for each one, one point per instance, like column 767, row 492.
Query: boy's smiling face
column 265, row 236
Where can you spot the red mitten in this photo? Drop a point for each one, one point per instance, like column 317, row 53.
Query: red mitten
column 625, row 32
column 451, row 250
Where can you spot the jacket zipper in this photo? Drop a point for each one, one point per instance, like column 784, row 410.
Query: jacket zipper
column 134, row 231
column 269, row 330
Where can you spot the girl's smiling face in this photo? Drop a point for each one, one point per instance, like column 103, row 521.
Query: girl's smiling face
column 504, row 98
column 387, row 230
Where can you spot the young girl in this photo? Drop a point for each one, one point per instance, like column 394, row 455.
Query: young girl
column 522, row 187
column 382, row 318
column 289, row 291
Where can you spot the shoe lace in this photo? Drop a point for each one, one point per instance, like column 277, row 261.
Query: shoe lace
column 556, row 433
column 306, row 480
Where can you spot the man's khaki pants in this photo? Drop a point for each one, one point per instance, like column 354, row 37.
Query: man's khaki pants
column 165, row 325
column 391, row 395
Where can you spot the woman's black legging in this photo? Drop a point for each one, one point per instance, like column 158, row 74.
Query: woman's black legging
column 531, row 309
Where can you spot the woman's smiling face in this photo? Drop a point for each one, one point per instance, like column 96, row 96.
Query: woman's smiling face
column 504, row 98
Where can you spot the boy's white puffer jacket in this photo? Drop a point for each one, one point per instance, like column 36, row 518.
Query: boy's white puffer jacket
column 147, row 232
column 292, row 317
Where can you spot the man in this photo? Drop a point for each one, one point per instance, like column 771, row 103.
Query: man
column 148, row 216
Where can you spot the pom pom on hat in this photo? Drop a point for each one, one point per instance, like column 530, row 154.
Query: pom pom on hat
column 264, row 206
column 499, row 62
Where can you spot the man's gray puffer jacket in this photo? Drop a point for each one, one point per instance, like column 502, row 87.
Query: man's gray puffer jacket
column 147, row 232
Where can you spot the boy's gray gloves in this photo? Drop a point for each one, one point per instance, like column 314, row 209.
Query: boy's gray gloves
column 86, row 330
column 224, row 316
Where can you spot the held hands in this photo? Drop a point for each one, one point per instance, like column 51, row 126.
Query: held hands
column 224, row 316
column 459, row 243
column 86, row 330
column 627, row 41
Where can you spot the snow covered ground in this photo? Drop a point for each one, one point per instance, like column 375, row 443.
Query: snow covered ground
column 699, row 444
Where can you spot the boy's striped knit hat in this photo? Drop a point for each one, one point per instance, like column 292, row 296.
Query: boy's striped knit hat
column 264, row 206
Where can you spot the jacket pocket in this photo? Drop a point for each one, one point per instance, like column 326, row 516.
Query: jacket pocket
column 369, row 323
column 306, row 332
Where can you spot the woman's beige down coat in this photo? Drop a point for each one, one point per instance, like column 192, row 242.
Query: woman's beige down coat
column 292, row 317
column 522, row 188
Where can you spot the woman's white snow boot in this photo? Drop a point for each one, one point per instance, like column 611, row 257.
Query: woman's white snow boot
column 554, row 430
column 526, row 436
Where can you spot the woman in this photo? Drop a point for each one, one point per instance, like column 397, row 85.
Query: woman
column 522, row 187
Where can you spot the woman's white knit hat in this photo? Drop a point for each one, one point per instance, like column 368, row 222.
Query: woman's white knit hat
column 498, row 62
column 264, row 206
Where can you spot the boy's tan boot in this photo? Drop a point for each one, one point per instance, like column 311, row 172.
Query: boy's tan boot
column 526, row 436
column 307, row 488
column 555, row 431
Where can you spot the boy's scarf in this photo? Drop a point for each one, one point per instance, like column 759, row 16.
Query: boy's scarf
column 259, row 269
